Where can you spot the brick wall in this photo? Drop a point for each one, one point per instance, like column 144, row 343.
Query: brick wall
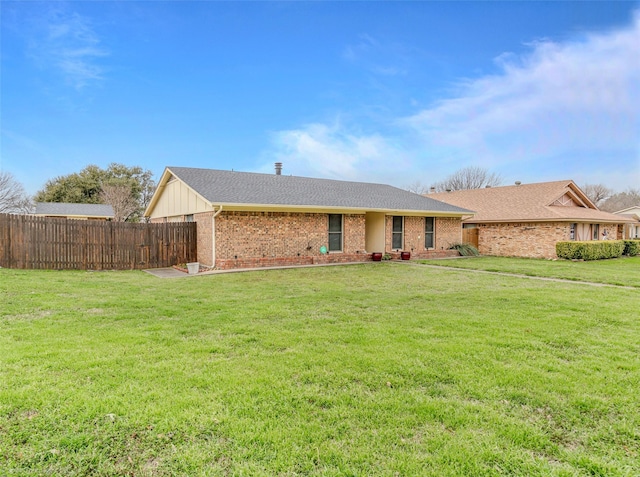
column 205, row 237
column 255, row 239
column 533, row 240
column 448, row 230
column 265, row 239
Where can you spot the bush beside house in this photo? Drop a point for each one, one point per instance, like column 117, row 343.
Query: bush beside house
column 591, row 250
column 631, row 247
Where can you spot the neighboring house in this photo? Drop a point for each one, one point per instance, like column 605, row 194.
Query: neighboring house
column 74, row 211
column 250, row 220
column 527, row 220
column 631, row 230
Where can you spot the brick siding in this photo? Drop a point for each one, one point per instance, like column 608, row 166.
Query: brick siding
column 262, row 239
column 205, row 237
column 532, row 240
column 448, row 230
column 266, row 239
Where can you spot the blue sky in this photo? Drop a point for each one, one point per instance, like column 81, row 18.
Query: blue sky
column 391, row 92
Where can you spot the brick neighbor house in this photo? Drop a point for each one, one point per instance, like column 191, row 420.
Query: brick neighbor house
column 250, row 220
column 527, row 220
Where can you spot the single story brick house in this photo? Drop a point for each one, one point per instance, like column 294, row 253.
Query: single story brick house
column 74, row 211
column 632, row 229
column 248, row 220
column 527, row 220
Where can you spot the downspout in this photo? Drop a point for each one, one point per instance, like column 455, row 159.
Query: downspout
column 213, row 234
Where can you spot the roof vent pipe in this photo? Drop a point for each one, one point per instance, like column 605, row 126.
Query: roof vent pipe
column 518, row 183
column 278, row 168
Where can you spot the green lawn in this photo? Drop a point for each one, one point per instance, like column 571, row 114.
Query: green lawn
column 365, row 370
column 620, row 271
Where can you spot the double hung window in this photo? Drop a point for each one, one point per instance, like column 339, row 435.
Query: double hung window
column 397, row 233
column 335, row 232
column 429, row 232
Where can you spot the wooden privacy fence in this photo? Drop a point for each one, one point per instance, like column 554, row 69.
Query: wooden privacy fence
column 470, row 236
column 55, row 244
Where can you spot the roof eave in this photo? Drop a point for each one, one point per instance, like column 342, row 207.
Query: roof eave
column 569, row 220
column 337, row 209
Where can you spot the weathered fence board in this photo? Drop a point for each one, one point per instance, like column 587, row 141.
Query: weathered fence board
column 470, row 236
column 50, row 243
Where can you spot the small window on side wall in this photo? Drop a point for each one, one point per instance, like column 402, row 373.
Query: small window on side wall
column 397, row 233
column 596, row 231
column 572, row 232
column 335, row 232
column 429, row 232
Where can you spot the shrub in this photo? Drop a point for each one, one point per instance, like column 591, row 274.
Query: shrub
column 591, row 250
column 465, row 249
column 632, row 247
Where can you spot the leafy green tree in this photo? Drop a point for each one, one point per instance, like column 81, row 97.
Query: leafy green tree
column 134, row 184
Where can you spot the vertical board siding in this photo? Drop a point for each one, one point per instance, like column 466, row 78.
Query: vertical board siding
column 28, row 242
column 470, row 236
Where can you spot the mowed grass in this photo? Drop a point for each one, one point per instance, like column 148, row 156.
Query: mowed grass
column 620, row 271
column 378, row 369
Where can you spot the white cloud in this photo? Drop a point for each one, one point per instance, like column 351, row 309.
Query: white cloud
column 333, row 152
column 565, row 110
column 580, row 97
column 67, row 44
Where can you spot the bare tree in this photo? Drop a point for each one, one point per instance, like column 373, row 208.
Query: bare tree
column 471, row 177
column 417, row 187
column 13, row 198
column 122, row 200
column 622, row 200
column 597, row 193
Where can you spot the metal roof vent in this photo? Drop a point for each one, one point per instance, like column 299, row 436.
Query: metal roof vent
column 518, row 183
column 278, row 168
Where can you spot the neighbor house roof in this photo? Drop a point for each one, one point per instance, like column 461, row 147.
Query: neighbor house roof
column 628, row 210
column 230, row 188
column 64, row 209
column 559, row 201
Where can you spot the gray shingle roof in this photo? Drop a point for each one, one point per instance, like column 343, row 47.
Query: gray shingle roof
column 229, row 187
column 66, row 209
